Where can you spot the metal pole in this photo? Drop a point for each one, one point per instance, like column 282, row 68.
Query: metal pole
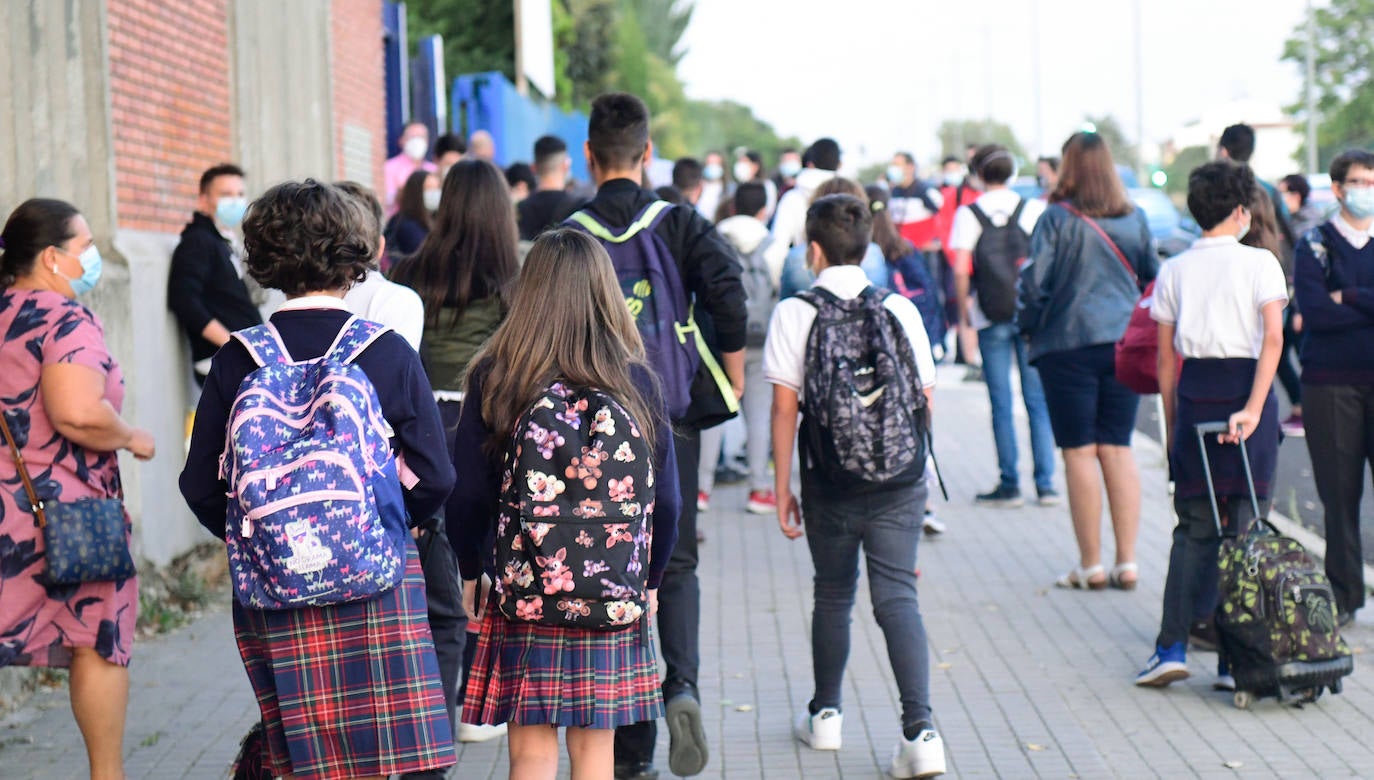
column 1139, row 96
column 522, row 86
column 1311, row 89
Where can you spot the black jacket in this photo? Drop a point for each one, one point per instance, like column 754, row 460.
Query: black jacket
column 204, row 286
column 1074, row 290
column 708, row 265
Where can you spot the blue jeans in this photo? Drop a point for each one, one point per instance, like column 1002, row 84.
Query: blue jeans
column 998, row 343
column 887, row 525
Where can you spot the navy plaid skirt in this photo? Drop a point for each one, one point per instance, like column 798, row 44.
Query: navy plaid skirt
column 349, row 690
column 528, row 675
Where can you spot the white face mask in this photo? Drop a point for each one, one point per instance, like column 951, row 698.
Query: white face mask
column 432, row 199
column 416, row 147
column 744, row 171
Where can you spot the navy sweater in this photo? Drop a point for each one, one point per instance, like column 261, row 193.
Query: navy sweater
column 479, row 487
column 394, row 368
column 1337, row 337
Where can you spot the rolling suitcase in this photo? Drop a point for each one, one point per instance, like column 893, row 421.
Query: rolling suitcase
column 1277, row 616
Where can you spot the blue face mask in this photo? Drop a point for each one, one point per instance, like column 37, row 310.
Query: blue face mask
column 1359, row 201
column 712, row 172
column 91, row 266
column 229, row 211
column 895, row 174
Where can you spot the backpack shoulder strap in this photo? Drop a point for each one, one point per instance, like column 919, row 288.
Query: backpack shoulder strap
column 648, row 219
column 980, row 215
column 354, row 337
column 1015, row 219
column 263, row 343
column 816, row 295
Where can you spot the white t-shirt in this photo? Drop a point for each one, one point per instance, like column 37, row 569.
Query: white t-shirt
column 1212, row 295
column 784, row 353
column 396, row 306
column 999, row 205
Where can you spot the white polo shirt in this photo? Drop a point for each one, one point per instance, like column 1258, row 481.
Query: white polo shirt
column 784, row 353
column 1212, row 295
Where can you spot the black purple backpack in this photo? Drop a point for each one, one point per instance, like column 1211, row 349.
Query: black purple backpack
column 573, row 537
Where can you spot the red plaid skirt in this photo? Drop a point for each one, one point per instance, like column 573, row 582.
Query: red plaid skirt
column 349, row 690
column 529, row 674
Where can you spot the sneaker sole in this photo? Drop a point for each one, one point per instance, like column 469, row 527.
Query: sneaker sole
column 1056, row 501
column 760, row 509
column 687, row 750
column 1299, row 434
column 805, row 737
column 1164, row 678
column 1000, row 503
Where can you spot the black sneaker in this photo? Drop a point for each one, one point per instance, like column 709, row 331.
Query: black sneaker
column 1048, row 497
column 687, row 749
column 643, row 770
column 1003, row 496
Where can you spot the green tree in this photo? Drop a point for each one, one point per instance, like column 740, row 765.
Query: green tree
column 667, row 21
column 1344, row 57
column 479, row 35
column 1123, row 151
column 1183, row 164
column 584, row 48
column 956, row 134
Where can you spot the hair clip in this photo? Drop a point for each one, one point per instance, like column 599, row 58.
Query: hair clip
column 877, row 206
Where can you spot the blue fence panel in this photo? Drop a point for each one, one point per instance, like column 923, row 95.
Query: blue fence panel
column 488, row 101
column 397, row 79
column 427, row 103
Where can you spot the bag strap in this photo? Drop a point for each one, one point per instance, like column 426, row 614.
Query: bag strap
column 982, row 216
column 647, row 219
column 35, row 503
column 264, row 344
column 354, row 337
column 1116, row 250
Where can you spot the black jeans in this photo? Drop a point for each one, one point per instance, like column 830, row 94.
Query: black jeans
column 1193, row 561
column 1288, row 373
column 1340, row 438
column 679, row 607
column 447, row 620
column 887, row 527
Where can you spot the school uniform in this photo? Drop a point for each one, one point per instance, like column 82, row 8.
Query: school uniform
column 883, row 519
column 1212, row 295
column 530, row 674
column 350, row 689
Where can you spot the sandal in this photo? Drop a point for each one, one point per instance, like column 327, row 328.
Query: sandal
column 1118, row 579
column 1082, row 579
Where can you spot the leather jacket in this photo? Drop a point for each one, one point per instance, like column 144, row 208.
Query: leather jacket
column 1074, row 291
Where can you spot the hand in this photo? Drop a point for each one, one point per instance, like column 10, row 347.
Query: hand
column 789, row 515
column 653, row 602
column 739, row 390
column 1242, row 425
column 1336, row 296
column 141, row 444
column 1297, row 323
column 470, row 600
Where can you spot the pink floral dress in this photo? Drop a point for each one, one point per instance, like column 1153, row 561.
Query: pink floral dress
column 39, row 625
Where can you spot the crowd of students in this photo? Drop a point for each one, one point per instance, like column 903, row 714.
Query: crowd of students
column 557, row 376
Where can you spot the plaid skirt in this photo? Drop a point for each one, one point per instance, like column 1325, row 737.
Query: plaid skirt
column 529, row 675
column 349, row 690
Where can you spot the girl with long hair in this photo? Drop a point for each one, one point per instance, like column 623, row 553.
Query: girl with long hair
column 407, row 228
column 567, row 324
column 1091, row 254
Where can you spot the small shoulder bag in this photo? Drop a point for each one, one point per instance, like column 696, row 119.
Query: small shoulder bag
column 86, row 540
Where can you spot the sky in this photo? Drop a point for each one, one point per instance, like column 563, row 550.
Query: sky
column 880, row 75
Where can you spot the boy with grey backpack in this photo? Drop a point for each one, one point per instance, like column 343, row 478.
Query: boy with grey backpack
column 855, row 362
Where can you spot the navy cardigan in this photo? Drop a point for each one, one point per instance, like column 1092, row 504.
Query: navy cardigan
column 479, row 486
column 402, row 387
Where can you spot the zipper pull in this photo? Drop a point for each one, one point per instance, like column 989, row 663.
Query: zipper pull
column 246, row 529
column 271, row 482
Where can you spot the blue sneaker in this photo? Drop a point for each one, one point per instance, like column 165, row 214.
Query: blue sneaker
column 1224, row 681
column 1167, row 665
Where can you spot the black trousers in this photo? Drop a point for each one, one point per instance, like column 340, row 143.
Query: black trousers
column 1340, row 438
column 679, row 607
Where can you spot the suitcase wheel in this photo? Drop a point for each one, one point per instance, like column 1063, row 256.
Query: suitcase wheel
column 1243, row 700
column 1335, row 685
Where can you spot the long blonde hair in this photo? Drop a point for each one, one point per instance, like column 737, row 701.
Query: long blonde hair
column 568, row 321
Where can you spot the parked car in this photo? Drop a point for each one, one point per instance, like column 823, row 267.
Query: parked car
column 1173, row 232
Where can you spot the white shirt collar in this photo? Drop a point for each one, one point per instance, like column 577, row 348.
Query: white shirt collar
column 1207, row 241
column 314, row 302
column 1357, row 238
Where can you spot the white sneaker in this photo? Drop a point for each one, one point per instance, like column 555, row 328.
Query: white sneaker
column 471, row 732
column 923, row 756
column 930, row 526
column 822, row 730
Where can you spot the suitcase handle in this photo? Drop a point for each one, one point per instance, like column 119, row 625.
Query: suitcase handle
column 1223, row 426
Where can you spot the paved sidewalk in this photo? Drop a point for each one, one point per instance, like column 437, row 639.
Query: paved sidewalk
column 1028, row 681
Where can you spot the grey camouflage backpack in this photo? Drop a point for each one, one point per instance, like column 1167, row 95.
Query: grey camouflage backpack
column 864, row 416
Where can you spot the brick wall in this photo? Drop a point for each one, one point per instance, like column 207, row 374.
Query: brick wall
column 169, row 88
column 359, row 90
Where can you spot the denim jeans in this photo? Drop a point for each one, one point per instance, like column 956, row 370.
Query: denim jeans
column 887, row 526
column 998, row 343
column 1193, row 573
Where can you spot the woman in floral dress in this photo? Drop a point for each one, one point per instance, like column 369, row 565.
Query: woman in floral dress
column 60, row 393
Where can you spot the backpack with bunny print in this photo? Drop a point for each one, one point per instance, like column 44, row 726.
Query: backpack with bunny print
column 316, row 515
column 572, row 539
